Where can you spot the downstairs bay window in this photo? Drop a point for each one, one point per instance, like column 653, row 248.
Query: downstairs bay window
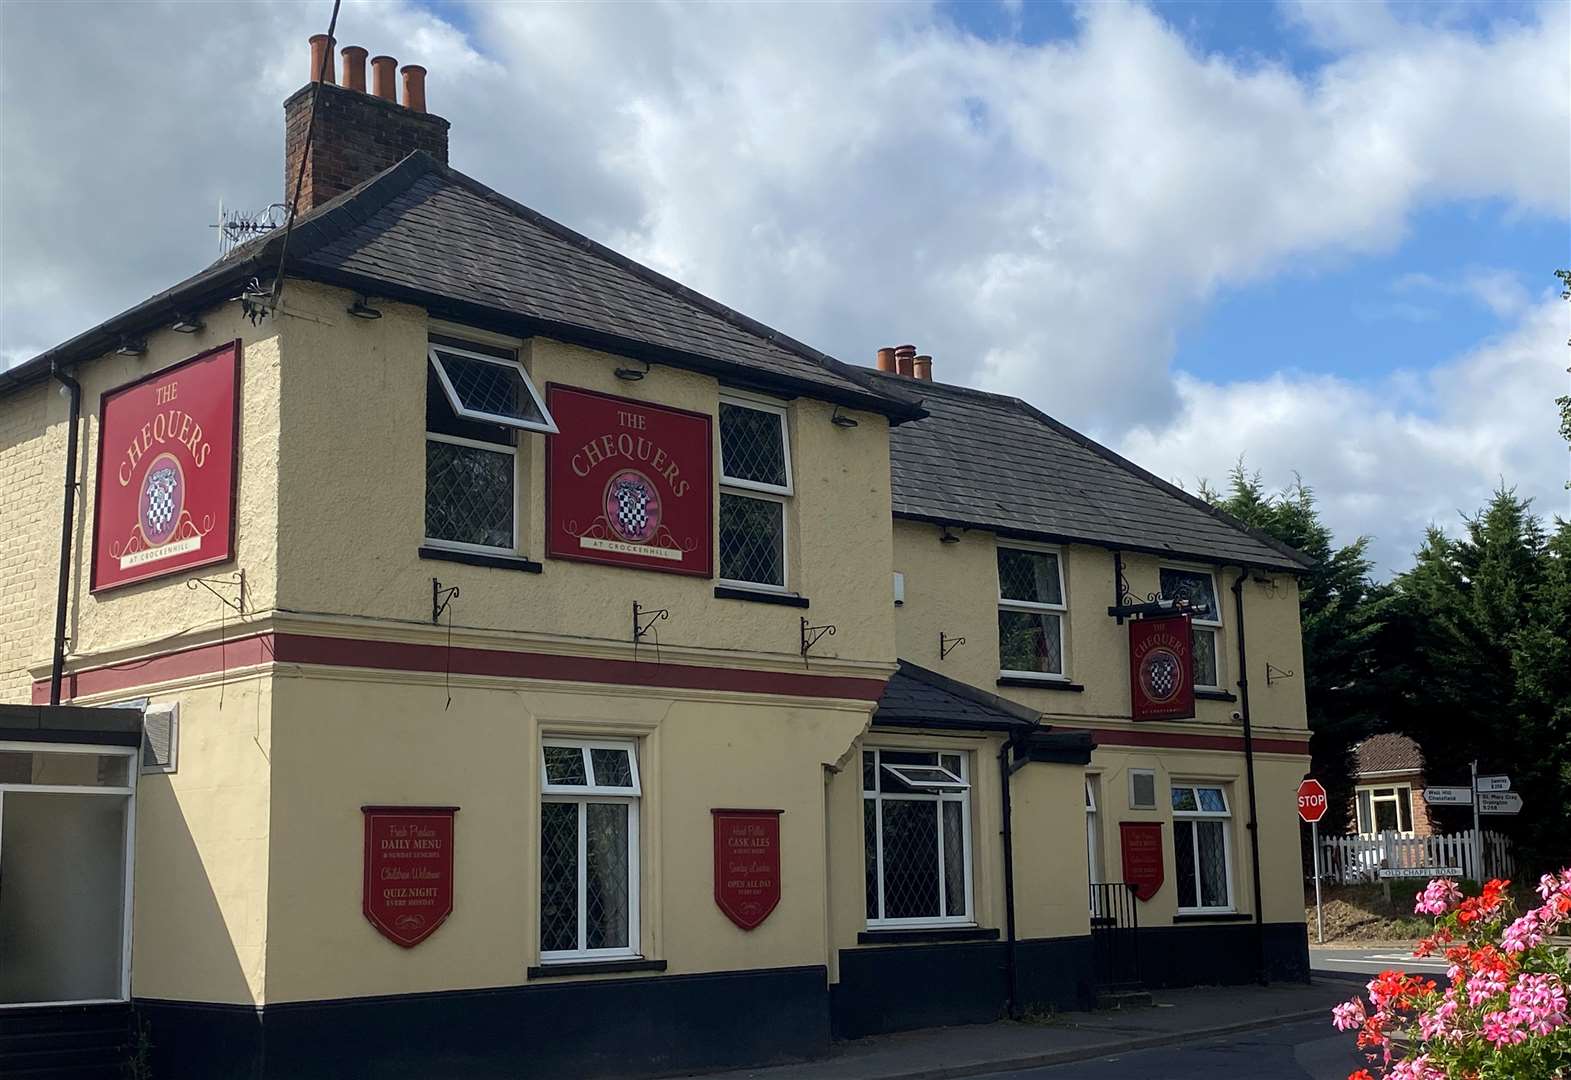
column 916, row 814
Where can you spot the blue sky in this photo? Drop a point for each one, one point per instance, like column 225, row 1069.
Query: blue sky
column 1316, row 234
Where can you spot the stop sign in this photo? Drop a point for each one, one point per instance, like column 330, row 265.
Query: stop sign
column 1311, row 800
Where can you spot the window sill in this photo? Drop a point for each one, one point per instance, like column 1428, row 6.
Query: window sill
column 480, row 558
column 727, row 592
column 1215, row 695
column 918, row 935
column 594, row 967
column 1211, row 916
column 1062, row 685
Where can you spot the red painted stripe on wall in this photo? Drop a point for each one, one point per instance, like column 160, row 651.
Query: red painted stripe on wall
column 1185, row 741
column 406, row 656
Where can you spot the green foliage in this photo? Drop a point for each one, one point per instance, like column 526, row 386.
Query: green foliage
column 1342, row 611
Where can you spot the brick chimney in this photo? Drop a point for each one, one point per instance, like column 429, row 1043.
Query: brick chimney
column 358, row 134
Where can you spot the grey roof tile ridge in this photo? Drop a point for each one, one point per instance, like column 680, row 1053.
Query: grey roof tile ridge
column 851, row 372
column 974, row 694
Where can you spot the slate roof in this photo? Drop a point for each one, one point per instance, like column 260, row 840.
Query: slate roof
column 914, row 696
column 1389, row 753
column 995, row 462
column 426, row 233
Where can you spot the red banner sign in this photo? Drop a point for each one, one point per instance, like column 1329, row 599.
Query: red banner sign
column 747, row 864
column 408, row 870
column 166, row 470
column 628, row 483
column 1141, row 845
column 1161, row 669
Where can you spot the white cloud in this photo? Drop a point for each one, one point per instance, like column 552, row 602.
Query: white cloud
column 1389, row 458
column 1045, row 220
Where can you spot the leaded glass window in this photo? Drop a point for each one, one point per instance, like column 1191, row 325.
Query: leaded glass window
column 752, row 540
column 1202, row 855
column 489, row 389
column 917, row 834
column 471, row 469
column 1197, row 588
column 588, row 850
column 755, row 479
column 1031, row 613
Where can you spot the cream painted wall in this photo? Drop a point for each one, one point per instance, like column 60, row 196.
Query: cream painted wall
column 32, row 452
column 352, row 503
column 352, row 740
column 1276, row 787
column 953, row 588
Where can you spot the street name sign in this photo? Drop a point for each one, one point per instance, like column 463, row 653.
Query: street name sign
column 1494, row 783
column 1499, row 802
column 1448, row 796
column 1311, row 800
column 1420, row 871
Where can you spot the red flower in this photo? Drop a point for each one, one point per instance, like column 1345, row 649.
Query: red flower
column 1361, row 1074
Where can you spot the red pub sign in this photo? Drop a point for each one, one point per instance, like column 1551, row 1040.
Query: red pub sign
column 628, row 483
column 408, row 870
column 747, row 864
column 1161, row 672
column 166, row 470
column 1140, row 843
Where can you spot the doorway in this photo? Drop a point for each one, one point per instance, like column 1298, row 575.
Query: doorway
column 67, row 823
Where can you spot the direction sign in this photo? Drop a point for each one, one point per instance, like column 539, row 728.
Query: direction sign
column 1448, row 796
column 1420, row 871
column 1494, row 783
column 1311, row 800
column 1499, row 802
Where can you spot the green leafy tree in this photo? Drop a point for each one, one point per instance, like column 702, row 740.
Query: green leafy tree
column 1342, row 613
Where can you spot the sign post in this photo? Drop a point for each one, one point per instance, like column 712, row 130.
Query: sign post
column 1478, row 832
column 1312, row 807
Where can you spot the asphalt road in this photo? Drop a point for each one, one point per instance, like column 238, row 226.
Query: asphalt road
column 1373, row 959
column 1308, row 1050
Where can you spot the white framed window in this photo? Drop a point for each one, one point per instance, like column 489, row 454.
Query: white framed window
column 1142, row 789
column 1197, row 587
column 1385, row 809
column 589, row 802
column 755, row 485
column 916, row 819
column 1031, row 612
column 1202, row 847
column 476, row 403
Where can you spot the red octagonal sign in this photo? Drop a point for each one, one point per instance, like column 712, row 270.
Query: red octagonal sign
column 1311, row 800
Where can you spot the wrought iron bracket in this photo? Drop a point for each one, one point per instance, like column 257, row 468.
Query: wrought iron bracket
column 1128, row 605
column 947, row 644
column 440, row 598
column 811, row 634
column 235, row 581
column 1275, row 674
column 643, row 620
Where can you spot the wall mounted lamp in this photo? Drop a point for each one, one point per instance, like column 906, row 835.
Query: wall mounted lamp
column 947, row 537
column 131, row 347
column 362, row 309
column 186, row 324
column 841, row 420
column 627, row 374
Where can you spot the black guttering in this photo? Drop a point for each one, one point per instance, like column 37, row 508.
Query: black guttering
column 340, row 216
column 68, row 515
column 1249, row 775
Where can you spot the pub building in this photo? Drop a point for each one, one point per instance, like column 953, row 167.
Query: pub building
column 449, row 647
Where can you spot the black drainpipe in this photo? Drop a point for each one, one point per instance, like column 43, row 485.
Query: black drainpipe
column 1249, row 774
column 57, row 669
column 1009, row 881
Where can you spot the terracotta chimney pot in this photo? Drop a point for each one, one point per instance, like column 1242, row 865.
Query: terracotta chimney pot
column 384, row 77
column 922, row 368
column 321, row 53
column 886, row 359
column 905, row 356
column 414, row 87
column 354, row 67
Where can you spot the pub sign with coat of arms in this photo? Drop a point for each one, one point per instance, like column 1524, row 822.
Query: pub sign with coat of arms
column 628, row 483
column 1161, row 672
column 167, row 443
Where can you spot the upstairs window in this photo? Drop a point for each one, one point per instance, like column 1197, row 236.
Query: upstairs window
column 755, row 484
column 1202, row 851
column 476, row 404
column 1031, row 613
column 1198, row 588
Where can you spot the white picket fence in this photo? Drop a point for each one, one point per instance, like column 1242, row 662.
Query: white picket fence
column 1349, row 859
